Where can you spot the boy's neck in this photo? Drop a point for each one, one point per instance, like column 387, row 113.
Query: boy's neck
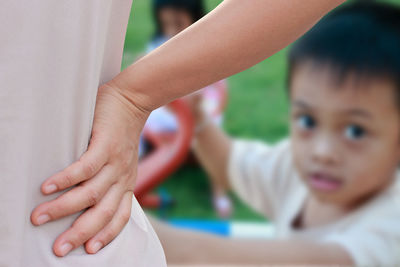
column 316, row 213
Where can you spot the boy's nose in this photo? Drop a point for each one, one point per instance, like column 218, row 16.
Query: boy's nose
column 324, row 150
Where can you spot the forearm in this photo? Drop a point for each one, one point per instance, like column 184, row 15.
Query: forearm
column 233, row 37
column 180, row 246
column 272, row 252
column 188, row 247
column 212, row 148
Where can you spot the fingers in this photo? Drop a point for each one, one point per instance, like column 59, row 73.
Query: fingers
column 85, row 168
column 89, row 223
column 77, row 199
column 117, row 224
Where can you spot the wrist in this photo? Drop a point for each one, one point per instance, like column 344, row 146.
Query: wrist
column 127, row 101
column 201, row 126
column 200, row 117
column 138, row 100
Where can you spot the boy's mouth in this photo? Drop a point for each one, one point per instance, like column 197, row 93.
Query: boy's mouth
column 324, row 182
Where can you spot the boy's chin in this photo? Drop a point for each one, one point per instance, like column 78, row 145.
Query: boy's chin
column 340, row 199
column 332, row 198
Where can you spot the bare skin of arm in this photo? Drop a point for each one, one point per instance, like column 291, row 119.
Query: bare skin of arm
column 233, row 37
column 212, row 148
column 189, row 247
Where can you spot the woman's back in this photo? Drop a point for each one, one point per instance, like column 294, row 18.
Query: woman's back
column 53, row 57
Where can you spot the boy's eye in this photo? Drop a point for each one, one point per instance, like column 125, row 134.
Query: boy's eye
column 306, row 122
column 354, row 132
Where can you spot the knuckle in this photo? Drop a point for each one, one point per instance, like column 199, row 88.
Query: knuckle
column 125, row 216
column 54, row 210
column 68, row 180
column 130, row 180
column 89, row 168
column 108, row 236
column 125, row 163
column 92, row 197
column 52, row 214
column 81, row 237
column 108, row 214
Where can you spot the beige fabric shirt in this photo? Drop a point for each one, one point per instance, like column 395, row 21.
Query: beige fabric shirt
column 265, row 178
column 53, row 57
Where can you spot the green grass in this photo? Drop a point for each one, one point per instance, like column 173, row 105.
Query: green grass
column 257, row 108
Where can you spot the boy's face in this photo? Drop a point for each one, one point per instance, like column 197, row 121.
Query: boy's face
column 346, row 137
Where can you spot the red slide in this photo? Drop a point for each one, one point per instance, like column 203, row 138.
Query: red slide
column 170, row 149
column 168, row 155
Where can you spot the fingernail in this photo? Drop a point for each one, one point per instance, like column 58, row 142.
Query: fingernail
column 65, row 248
column 96, row 247
column 50, row 188
column 43, row 219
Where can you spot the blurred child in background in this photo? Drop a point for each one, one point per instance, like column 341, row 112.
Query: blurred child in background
column 333, row 188
column 171, row 17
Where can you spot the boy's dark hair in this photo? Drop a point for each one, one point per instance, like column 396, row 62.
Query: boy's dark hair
column 194, row 7
column 361, row 39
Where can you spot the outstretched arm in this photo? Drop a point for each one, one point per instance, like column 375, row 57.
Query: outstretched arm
column 235, row 36
column 211, row 145
column 188, row 247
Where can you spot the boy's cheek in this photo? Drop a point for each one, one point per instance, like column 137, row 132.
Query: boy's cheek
column 301, row 153
column 300, row 160
column 362, row 182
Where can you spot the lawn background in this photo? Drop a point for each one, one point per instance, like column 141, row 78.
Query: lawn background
column 257, row 108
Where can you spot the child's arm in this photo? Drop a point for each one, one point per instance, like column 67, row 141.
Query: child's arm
column 211, row 145
column 187, row 247
column 212, row 148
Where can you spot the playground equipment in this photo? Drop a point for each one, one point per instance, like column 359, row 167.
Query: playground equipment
column 170, row 149
column 253, row 230
column 169, row 153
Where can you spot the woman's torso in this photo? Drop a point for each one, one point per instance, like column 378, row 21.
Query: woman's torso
column 53, row 57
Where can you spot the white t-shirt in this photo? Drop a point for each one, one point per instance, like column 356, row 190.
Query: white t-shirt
column 53, row 56
column 265, row 178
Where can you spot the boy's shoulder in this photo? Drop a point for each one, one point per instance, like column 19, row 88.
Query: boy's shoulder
column 268, row 165
column 263, row 175
column 281, row 146
column 388, row 201
column 262, row 158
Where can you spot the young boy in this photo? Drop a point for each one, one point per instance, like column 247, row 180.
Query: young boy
column 332, row 189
